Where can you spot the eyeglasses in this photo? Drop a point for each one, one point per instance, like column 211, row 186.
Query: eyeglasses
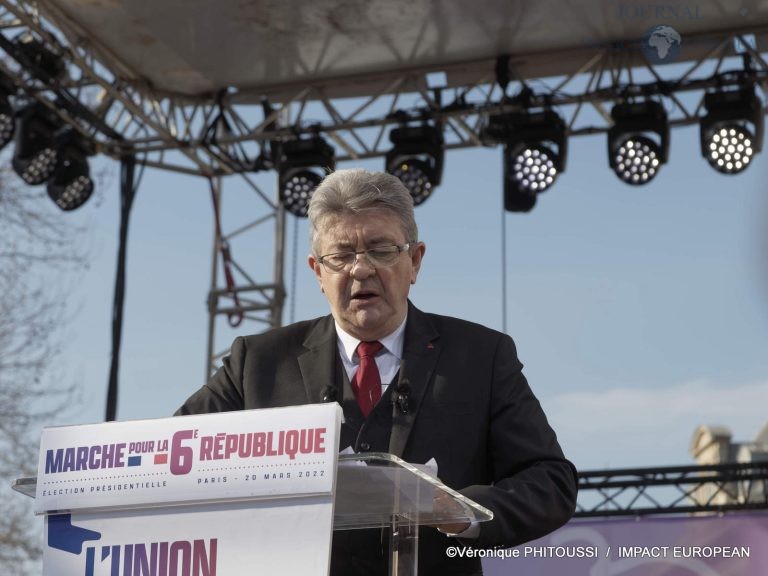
column 379, row 257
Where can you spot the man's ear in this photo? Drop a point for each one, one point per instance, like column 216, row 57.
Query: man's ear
column 317, row 268
column 416, row 257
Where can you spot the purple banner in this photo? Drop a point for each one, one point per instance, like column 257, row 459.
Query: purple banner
column 730, row 545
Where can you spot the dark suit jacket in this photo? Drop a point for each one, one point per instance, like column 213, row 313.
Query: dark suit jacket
column 470, row 408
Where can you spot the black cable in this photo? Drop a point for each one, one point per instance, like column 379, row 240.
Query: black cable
column 127, row 193
column 293, row 268
column 503, row 270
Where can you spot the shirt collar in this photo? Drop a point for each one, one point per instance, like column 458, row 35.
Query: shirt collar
column 393, row 343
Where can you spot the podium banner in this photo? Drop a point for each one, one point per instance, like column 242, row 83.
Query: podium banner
column 235, row 539
column 234, row 455
column 233, row 493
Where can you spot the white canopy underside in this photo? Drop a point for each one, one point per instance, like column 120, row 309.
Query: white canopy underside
column 195, row 48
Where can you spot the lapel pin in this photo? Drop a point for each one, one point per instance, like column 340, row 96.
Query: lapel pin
column 430, row 346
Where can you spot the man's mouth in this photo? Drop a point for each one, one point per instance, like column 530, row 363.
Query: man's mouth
column 364, row 295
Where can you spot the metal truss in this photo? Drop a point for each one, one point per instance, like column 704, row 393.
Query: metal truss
column 108, row 104
column 235, row 295
column 119, row 114
column 224, row 133
column 678, row 489
column 232, row 132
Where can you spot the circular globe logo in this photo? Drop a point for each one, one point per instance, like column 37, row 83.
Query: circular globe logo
column 661, row 44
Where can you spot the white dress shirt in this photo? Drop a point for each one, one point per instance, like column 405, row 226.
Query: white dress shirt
column 387, row 360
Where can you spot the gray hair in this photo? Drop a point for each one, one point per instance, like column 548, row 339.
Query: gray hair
column 356, row 190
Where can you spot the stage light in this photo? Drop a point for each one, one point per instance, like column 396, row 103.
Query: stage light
column 535, row 150
column 416, row 158
column 303, row 165
column 731, row 132
column 638, row 141
column 34, row 157
column 70, row 185
column 36, row 57
column 516, row 199
column 7, row 121
column 531, row 167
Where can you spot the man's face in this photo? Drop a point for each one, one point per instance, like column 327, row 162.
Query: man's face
column 367, row 302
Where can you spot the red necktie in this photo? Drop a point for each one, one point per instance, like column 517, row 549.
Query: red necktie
column 367, row 381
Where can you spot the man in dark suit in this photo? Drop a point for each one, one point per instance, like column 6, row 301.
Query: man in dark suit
column 468, row 404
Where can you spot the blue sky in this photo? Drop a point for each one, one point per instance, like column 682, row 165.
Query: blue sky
column 639, row 313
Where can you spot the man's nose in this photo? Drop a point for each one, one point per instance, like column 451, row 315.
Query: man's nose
column 361, row 267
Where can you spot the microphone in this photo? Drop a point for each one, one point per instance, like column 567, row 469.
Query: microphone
column 402, row 390
column 329, row 394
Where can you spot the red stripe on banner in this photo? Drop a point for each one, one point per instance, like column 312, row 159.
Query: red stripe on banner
column 161, row 458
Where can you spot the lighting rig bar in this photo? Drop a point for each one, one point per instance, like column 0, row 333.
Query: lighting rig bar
column 118, row 111
column 673, row 490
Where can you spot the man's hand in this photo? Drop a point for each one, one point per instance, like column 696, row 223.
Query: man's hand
column 443, row 503
column 453, row 529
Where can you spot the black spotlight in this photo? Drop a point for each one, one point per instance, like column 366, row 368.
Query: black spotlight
column 731, row 132
column 416, row 158
column 36, row 57
column 70, row 185
column 34, row 157
column 535, row 151
column 7, row 121
column 638, row 141
column 303, row 165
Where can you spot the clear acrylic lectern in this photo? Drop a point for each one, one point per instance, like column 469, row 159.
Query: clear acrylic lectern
column 381, row 490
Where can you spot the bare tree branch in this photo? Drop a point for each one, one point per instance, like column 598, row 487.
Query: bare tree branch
column 37, row 242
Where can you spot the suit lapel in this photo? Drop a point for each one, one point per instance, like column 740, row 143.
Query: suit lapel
column 318, row 362
column 420, row 353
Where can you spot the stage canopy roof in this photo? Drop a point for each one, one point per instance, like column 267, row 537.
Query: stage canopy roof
column 197, row 48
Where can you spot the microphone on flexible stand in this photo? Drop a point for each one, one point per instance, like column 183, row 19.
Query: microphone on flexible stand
column 330, row 393
column 402, row 390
